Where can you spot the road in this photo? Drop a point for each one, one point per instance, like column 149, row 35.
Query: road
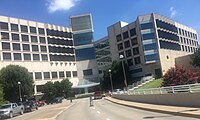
column 101, row 110
column 105, row 110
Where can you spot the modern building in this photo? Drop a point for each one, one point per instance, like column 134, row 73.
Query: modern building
column 46, row 50
column 150, row 44
column 103, row 55
column 82, row 29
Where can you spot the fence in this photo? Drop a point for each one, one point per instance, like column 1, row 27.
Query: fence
column 143, row 80
column 190, row 88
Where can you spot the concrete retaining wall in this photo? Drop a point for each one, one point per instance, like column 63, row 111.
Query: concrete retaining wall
column 179, row 99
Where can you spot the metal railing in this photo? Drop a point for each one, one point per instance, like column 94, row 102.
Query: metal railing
column 143, row 80
column 190, row 88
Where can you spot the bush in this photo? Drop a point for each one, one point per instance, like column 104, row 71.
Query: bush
column 178, row 75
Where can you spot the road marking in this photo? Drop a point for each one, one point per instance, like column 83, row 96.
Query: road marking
column 107, row 119
column 98, row 112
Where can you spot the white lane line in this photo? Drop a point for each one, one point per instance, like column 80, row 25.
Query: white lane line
column 107, row 119
column 98, row 112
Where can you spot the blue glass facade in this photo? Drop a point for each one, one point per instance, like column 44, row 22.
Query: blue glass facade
column 85, row 54
column 83, row 38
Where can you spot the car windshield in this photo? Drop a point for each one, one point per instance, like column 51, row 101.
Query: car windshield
column 5, row 106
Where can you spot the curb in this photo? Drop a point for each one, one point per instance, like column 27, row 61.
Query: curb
column 156, row 110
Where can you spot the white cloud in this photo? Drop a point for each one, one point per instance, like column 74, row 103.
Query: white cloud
column 59, row 5
column 173, row 12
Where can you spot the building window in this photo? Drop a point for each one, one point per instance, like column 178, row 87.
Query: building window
column 36, row 57
column 127, row 44
column 26, row 47
column 43, row 48
column 133, row 32
column 134, row 41
column 119, row 37
column 38, row 75
column 148, row 36
column 137, row 60
column 15, row 37
column 125, row 35
column 68, row 73
column 16, row 46
column 35, row 48
column 41, row 31
column 5, row 46
column 25, row 38
column 152, row 46
column 44, row 57
column 32, row 30
column 61, row 74
column 151, row 57
column 4, row 36
column 34, row 39
column 128, row 53
column 14, row 27
column 136, row 70
column 130, row 62
column 135, row 51
column 146, row 26
column 3, row 26
column 74, row 73
column 6, row 56
column 27, row 56
column 87, row 72
column 24, row 28
column 46, row 75
column 120, row 46
column 42, row 40
column 54, row 75
column 17, row 56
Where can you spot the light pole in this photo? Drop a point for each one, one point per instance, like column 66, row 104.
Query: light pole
column 125, row 81
column 20, row 95
column 111, row 79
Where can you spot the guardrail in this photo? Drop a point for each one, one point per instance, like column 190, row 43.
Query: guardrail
column 143, row 80
column 190, row 88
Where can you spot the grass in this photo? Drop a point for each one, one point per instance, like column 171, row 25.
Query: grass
column 153, row 84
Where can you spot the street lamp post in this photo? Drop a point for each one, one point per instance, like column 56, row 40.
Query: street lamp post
column 125, row 81
column 20, row 95
column 111, row 80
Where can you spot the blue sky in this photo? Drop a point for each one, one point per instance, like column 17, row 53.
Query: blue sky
column 104, row 12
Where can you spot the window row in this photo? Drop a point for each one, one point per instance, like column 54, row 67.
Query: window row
column 25, row 38
column 129, row 53
column 54, row 49
column 60, row 41
column 168, row 35
column 26, row 56
column 167, row 26
column 126, row 34
column 188, row 41
column 54, row 75
column 25, row 47
column 23, row 28
column 59, row 33
column 62, row 58
column 187, row 33
column 134, row 61
column 127, row 43
column 169, row 45
column 188, row 48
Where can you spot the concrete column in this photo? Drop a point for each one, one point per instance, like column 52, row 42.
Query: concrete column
column 35, row 89
column 86, row 90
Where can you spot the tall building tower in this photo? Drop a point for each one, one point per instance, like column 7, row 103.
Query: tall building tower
column 82, row 29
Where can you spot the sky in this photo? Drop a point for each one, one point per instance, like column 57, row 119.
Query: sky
column 104, row 12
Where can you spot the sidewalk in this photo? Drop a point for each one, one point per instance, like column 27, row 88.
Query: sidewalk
column 174, row 110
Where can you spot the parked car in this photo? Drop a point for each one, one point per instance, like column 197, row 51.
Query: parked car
column 10, row 110
column 58, row 99
column 30, row 106
column 97, row 95
column 41, row 103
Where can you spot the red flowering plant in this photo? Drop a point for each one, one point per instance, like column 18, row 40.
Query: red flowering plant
column 178, row 75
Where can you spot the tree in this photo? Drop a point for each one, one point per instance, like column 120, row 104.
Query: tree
column 180, row 76
column 57, row 89
column 9, row 78
column 117, row 76
column 196, row 58
column 1, row 95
